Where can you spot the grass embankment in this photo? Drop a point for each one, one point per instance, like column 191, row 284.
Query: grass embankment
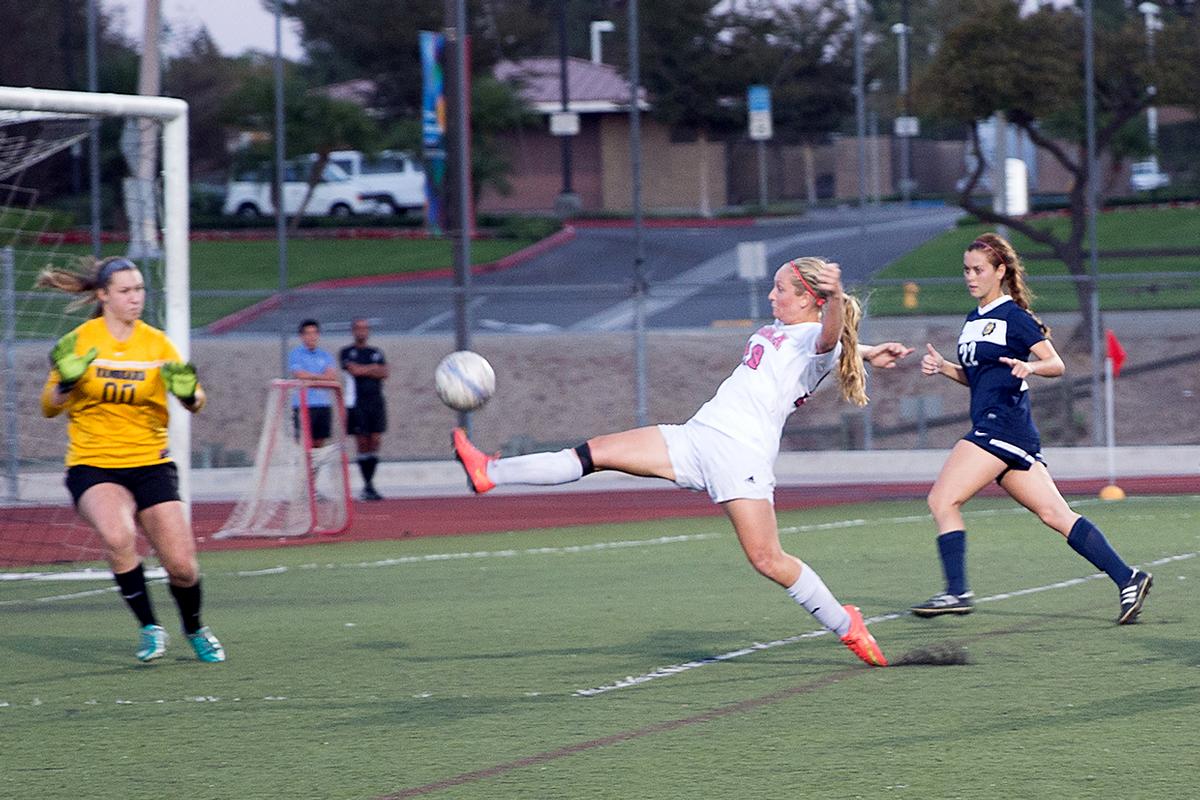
column 1132, row 244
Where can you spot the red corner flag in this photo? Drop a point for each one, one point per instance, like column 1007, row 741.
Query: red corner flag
column 1116, row 353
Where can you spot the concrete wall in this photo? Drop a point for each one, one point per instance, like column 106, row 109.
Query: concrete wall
column 562, row 388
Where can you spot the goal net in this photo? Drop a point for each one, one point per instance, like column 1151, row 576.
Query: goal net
column 297, row 488
column 43, row 222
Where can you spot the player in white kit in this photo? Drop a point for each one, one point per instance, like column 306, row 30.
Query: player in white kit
column 728, row 447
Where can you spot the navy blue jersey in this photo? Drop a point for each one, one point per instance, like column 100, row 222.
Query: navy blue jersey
column 1000, row 402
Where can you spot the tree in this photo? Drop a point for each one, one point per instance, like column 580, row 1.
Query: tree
column 206, row 79
column 1031, row 68
column 495, row 106
column 314, row 123
column 805, row 56
column 379, row 41
column 45, row 47
column 698, row 58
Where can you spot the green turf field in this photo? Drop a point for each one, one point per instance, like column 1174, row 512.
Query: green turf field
column 1172, row 229
column 451, row 667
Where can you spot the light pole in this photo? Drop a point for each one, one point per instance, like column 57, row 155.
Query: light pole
column 277, row 199
column 568, row 203
column 1150, row 12
column 641, row 391
column 93, row 84
column 598, row 27
column 901, row 29
column 860, row 125
column 860, row 118
column 1089, row 102
column 875, row 180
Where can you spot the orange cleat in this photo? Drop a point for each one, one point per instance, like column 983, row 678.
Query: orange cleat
column 474, row 461
column 860, row 641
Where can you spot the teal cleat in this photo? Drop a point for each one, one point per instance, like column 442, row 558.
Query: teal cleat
column 153, row 643
column 206, row 646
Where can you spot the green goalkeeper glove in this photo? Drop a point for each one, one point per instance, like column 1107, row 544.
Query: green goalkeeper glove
column 71, row 367
column 180, row 380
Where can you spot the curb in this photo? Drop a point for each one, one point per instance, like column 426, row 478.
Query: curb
column 670, row 222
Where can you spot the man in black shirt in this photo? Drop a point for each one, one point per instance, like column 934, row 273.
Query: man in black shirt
column 366, row 415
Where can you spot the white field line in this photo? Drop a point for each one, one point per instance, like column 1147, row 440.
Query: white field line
column 387, row 562
column 91, row 574
column 624, row 683
column 675, row 669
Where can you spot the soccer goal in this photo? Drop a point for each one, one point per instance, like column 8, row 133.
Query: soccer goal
column 299, row 486
column 38, row 129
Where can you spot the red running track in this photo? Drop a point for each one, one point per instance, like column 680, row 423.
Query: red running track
column 25, row 539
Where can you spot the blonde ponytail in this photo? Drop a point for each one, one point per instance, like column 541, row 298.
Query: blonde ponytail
column 92, row 276
column 852, row 375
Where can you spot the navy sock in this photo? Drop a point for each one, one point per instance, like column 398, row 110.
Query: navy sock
column 188, row 600
column 1087, row 540
column 133, row 588
column 584, row 451
column 952, row 547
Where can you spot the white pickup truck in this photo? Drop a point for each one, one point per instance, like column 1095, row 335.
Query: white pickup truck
column 337, row 195
column 390, row 177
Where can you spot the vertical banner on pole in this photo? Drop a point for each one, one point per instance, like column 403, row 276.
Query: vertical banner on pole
column 433, row 128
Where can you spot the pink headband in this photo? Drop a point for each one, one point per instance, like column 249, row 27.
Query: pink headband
column 993, row 250
column 820, row 300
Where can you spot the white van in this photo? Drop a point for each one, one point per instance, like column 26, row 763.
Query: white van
column 390, row 177
column 337, row 195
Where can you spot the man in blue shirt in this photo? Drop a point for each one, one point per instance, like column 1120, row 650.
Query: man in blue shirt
column 308, row 362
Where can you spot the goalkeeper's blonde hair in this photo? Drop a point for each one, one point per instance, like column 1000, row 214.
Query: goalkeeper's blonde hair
column 852, row 375
column 92, row 275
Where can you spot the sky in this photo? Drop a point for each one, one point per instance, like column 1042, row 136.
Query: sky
column 235, row 25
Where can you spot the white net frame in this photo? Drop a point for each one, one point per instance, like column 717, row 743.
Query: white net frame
column 296, row 489
column 55, row 132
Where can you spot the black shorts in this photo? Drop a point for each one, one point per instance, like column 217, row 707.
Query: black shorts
column 319, row 420
column 369, row 415
column 157, row 483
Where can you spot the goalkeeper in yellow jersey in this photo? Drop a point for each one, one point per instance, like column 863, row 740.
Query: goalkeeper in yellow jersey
column 112, row 375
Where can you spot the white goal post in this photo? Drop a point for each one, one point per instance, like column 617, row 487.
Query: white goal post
column 173, row 114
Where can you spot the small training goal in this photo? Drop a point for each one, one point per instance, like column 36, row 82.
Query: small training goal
column 299, row 485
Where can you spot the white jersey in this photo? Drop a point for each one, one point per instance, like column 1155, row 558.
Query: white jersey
column 779, row 371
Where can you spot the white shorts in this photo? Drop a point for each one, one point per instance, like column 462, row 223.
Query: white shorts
column 706, row 459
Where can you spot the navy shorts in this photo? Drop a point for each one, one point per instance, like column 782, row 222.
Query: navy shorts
column 319, row 419
column 1014, row 456
column 157, row 483
column 368, row 415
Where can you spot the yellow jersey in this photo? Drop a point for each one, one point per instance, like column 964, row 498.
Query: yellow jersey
column 117, row 412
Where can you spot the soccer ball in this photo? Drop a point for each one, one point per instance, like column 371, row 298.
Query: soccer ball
column 464, row 380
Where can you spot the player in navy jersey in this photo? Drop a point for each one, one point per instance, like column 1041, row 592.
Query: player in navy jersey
column 366, row 414
column 1002, row 343
column 728, row 447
